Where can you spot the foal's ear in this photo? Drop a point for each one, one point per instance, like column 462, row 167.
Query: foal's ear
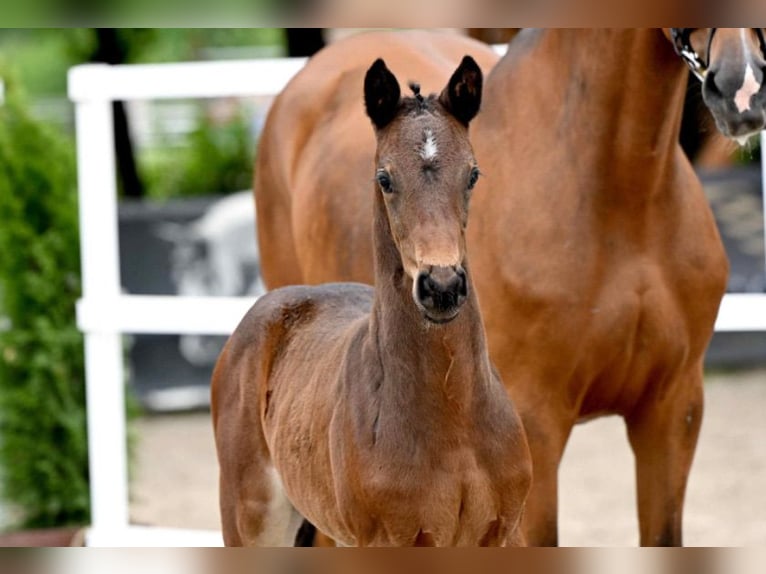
column 381, row 94
column 462, row 96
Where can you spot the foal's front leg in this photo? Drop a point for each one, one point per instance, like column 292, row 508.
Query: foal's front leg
column 263, row 516
column 663, row 433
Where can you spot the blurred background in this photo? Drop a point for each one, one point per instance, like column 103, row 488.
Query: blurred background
column 186, row 227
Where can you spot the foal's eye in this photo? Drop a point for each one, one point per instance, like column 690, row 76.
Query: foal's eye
column 384, row 181
column 473, row 178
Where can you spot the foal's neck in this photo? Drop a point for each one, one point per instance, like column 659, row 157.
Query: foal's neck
column 422, row 358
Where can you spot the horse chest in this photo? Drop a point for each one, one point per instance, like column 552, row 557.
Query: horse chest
column 638, row 334
column 637, row 318
column 460, row 504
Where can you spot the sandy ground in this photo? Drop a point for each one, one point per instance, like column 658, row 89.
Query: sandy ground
column 175, row 483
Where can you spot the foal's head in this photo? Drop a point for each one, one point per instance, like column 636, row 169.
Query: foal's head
column 425, row 171
column 731, row 62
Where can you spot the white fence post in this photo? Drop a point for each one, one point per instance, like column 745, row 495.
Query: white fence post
column 99, row 249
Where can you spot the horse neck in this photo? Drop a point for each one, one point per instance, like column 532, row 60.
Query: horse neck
column 616, row 95
column 448, row 360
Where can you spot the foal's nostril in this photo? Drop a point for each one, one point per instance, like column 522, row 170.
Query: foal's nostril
column 424, row 287
column 462, row 283
column 442, row 288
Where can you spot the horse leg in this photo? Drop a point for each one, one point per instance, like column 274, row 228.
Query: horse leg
column 547, row 435
column 261, row 514
column 306, row 534
column 517, row 537
column 663, row 434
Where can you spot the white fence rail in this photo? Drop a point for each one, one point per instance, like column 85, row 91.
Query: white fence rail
column 104, row 314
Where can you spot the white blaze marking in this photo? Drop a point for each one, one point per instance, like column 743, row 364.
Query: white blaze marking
column 429, row 149
column 750, row 85
column 749, row 88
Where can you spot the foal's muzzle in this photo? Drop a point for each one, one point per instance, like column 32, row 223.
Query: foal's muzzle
column 440, row 292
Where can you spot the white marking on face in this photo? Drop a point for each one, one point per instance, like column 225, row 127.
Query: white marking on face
column 429, row 150
column 749, row 88
column 750, row 85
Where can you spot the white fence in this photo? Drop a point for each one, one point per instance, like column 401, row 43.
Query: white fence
column 104, row 314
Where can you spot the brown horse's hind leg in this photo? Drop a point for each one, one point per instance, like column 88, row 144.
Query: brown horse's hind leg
column 663, row 434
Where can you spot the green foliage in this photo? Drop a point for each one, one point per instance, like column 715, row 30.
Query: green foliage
column 182, row 44
column 750, row 153
column 216, row 158
column 43, row 55
column 43, row 446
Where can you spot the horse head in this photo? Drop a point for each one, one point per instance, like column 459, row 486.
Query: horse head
column 731, row 63
column 425, row 171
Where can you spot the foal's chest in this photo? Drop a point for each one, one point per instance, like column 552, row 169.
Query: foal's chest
column 440, row 503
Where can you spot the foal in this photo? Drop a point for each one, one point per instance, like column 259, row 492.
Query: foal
column 376, row 414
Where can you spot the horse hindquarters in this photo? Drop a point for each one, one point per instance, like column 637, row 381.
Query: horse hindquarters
column 278, row 258
column 254, row 508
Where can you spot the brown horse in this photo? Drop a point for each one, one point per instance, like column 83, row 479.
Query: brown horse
column 596, row 258
column 614, row 267
column 376, row 414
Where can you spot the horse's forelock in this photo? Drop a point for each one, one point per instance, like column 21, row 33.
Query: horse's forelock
column 417, row 104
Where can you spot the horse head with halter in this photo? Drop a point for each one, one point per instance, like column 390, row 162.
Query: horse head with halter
column 733, row 79
column 699, row 66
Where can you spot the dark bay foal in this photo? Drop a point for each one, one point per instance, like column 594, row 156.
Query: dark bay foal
column 375, row 413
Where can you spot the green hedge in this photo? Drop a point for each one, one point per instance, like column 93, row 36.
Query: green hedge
column 215, row 158
column 43, row 446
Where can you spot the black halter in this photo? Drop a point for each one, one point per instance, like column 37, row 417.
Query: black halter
column 698, row 66
column 683, row 46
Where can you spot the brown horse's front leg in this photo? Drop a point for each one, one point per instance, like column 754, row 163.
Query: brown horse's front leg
column 547, row 434
column 663, row 434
